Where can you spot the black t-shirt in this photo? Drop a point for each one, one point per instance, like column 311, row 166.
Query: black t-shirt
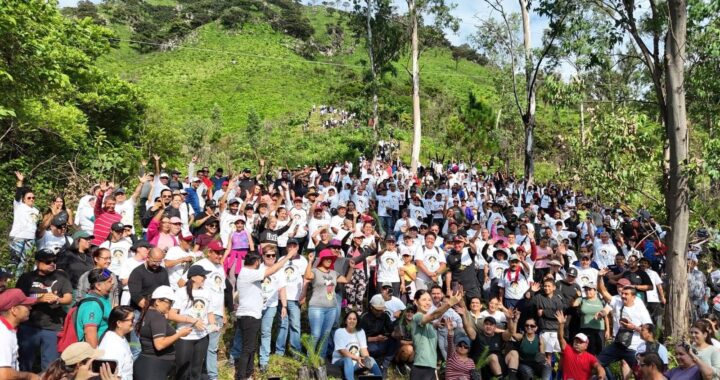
column 465, row 275
column 43, row 315
column 639, row 277
column 376, row 326
column 156, row 326
column 74, row 264
column 495, row 343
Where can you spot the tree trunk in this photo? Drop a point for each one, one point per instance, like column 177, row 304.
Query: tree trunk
column 676, row 198
column 371, row 55
column 417, row 126
column 582, row 123
column 529, row 167
column 530, row 88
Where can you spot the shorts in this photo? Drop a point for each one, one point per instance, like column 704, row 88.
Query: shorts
column 550, row 340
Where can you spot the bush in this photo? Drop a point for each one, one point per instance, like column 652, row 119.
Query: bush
column 233, row 18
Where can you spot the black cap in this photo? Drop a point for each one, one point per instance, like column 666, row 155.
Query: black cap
column 142, row 243
column 211, row 203
column 490, row 320
column 119, row 190
column 5, row 274
column 45, row 255
column 293, row 241
column 572, row 271
column 60, row 220
column 219, row 170
column 175, row 171
column 197, row 270
column 246, row 170
column 117, row 227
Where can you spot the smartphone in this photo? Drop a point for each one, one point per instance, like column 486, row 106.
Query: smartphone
column 97, row 363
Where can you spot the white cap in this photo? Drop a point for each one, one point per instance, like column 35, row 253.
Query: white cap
column 582, row 337
column 195, row 179
column 163, row 291
column 377, row 302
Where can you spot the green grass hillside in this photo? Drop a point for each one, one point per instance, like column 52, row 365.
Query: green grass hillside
column 257, row 68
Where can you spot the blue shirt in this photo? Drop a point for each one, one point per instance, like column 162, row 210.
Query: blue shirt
column 91, row 314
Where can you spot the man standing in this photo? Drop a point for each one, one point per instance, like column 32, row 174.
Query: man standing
column 52, row 290
column 577, row 363
column 294, row 280
column 545, row 305
column 145, row 278
column 105, row 214
column 15, row 309
column 249, row 311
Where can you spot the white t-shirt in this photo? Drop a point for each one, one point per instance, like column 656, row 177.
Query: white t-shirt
column 432, row 258
column 300, row 217
column 176, row 272
column 636, row 314
column 52, row 242
column 352, row 342
column 497, row 268
column 499, row 316
column 127, row 268
column 271, row 286
column 197, row 309
column 127, row 210
column 604, row 254
column 388, row 267
column 119, row 253
column 227, row 225
column 249, row 286
column 25, row 219
column 515, row 284
column 392, row 306
column 214, row 284
column 117, row 348
column 293, row 271
column 652, row 295
column 9, row 346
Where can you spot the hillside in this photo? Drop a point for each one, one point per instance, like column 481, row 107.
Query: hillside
column 256, row 68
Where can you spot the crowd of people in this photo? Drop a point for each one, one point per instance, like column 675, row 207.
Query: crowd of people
column 331, row 117
column 451, row 272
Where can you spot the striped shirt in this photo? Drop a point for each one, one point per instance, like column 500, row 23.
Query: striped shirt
column 103, row 221
column 457, row 368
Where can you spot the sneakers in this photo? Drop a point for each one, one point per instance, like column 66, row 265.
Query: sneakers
column 403, row 369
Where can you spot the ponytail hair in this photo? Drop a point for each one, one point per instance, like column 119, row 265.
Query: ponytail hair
column 142, row 315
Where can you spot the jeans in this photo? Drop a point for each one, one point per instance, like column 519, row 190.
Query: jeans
column 384, row 352
column 237, row 342
column 19, row 253
column 250, row 327
column 528, row 371
column 293, row 322
column 189, row 358
column 321, row 322
column 615, row 352
column 135, row 348
column 152, row 367
column 266, row 324
column 387, row 224
column 32, row 340
column 214, row 341
column 349, row 366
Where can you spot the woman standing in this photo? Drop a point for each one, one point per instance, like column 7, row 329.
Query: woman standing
column 708, row 356
column 157, row 337
column 322, row 305
column 191, row 310
column 163, row 230
column 359, row 251
column 351, row 351
column 596, row 329
column 115, row 345
column 425, row 335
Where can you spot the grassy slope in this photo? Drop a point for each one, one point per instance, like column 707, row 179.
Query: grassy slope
column 186, row 83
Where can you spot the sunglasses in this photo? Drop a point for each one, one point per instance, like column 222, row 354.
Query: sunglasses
column 48, row 262
column 269, row 256
column 463, row 345
column 212, row 226
column 29, row 198
column 165, row 300
column 531, row 326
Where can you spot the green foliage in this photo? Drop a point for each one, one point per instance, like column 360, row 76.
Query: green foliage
column 621, row 156
column 311, row 357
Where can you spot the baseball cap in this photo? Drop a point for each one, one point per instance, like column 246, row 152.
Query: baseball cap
column 186, row 235
column 462, row 339
column 197, row 270
column 386, row 285
column 44, row 255
column 60, row 220
column 555, row 262
column 233, row 201
column 82, row 235
column 119, row 190
column 79, row 351
column 246, row 170
column 195, row 179
column 335, row 243
column 211, row 203
column 293, row 241
column 117, row 227
column 377, row 302
column 13, row 297
column 390, row 237
column 590, row 285
column 582, row 337
column 163, row 291
column 216, row 245
column 514, row 257
column 572, row 272
column 490, row 320
column 164, row 175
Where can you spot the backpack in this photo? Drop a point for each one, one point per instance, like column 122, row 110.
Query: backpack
column 68, row 334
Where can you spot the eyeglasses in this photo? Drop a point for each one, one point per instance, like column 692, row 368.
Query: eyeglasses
column 104, row 258
column 132, row 319
column 29, row 198
column 531, row 326
column 177, row 224
column 165, row 300
column 212, row 226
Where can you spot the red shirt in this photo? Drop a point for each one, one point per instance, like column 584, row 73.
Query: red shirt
column 577, row 366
